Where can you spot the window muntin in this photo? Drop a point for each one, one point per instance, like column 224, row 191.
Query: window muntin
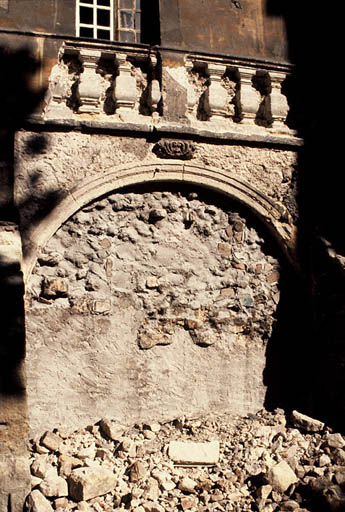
column 95, row 19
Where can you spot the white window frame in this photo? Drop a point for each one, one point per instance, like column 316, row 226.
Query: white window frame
column 95, row 7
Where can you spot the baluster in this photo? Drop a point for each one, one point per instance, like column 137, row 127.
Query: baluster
column 191, row 95
column 154, row 89
column 89, row 87
column 250, row 98
column 216, row 95
column 279, row 104
column 125, row 91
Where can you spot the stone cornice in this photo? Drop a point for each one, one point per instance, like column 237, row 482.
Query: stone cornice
column 256, row 136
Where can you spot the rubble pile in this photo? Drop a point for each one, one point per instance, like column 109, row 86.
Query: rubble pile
column 264, row 462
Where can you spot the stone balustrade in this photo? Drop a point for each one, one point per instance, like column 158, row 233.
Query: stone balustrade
column 130, row 84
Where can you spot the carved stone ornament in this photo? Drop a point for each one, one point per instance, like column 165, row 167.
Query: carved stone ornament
column 174, row 149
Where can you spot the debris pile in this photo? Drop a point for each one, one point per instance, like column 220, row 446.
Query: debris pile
column 264, row 462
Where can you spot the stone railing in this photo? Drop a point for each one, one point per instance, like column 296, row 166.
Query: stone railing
column 104, row 80
column 237, row 92
column 125, row 83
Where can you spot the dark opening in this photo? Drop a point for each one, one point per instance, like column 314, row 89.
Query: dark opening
column 150, row 26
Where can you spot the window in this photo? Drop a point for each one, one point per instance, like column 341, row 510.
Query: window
column 129, row 21
column 95, row 19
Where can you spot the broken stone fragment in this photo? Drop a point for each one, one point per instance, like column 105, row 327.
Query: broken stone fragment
column 188, row 503
column 335, row 440
column 137, row 471
column 154, row 427
column 188, row 452
column 158, row 214
column 281, row 476
column 152, row 490
column 61, row 503
column 152, row 282
column 54, row 486
column 305, row 422
column 263, row 492
column 112, row 429
column 54, row 288
column 153, row 507
column 73, row 461
column 224, row 249
column 227, row 292
column 128, row 446
column 51, row 441
column 84, row 506
column 187, row 484
column 87, row 483
column 101, row 307
column 148, row 340
column 40, row 466
column 273, row 277
column 36, row 502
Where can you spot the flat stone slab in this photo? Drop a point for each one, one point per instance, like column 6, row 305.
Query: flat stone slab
column 189, row 452
column 300, row 420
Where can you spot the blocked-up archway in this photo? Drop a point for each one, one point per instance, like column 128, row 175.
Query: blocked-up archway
column 155, row 301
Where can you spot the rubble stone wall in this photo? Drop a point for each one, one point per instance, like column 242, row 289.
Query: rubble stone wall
column 148, row 302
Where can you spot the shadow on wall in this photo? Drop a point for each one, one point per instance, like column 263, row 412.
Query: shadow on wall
column 18, row 101
column 306, row 358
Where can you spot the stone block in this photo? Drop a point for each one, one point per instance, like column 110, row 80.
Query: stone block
column 87, row 483
column 281, row 476
column 194, row 453
column 305, row 422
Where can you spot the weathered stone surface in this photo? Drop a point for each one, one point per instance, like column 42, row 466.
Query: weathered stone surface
column 193, row 452
column 305, row 422
column 187, row 484
column 51, row 441
column 112, row 429
column 261, row 457
column 335, row 440
column 281, row 476
column 53, row 485
column 87, row 483
column 40, row 466
column 137, row 471
column 36, row 502
column 155, row 271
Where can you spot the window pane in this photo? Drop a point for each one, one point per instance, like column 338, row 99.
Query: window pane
column 103, row 34
column 137, row 4
column 106, row 3
column 126, row 19
column 86, row 1
column 137, row 20
column 86, row 15
column 86, row 32
column 127, row 37
column 103, row 17
column 127, row 4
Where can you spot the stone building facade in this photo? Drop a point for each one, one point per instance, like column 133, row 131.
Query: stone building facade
column 149, row 200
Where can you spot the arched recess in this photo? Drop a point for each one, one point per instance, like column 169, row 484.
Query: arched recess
column 272, row 214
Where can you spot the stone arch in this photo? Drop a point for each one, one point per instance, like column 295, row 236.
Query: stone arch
column 272, row 214
column 120, row 310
